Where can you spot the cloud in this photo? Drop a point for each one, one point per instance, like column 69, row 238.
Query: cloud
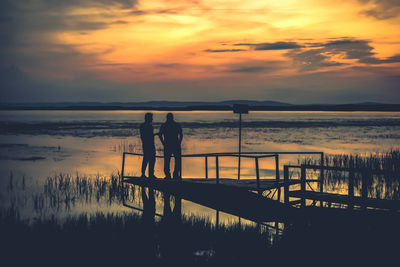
column 271, row 46
column 223, row 50
column 27, row 30
column 248, row 69
column 313, row 59
column 320, row 55
column 254, row 66
column 383, row 9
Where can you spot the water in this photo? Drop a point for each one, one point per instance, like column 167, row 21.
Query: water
column 41, row 144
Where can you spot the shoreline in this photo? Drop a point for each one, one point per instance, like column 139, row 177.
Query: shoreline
column 338, row 108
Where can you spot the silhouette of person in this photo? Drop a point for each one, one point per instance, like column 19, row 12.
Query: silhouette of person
column 171, row 137
column 149, row 150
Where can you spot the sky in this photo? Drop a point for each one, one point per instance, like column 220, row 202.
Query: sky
column 294, row 51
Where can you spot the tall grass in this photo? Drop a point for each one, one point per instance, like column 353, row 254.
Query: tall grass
column 380, row 171
column 129, row 238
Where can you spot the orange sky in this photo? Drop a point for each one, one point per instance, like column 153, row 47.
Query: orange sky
column 258, row 44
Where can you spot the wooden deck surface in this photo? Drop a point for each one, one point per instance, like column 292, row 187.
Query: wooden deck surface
column 246, row 184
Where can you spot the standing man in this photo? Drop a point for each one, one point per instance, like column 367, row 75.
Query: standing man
column 171, row 137
column 149, row 150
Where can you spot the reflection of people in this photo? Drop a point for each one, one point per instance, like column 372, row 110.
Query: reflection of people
column 173, row 245
column 149, row 150
column 148, row 242
column 171, row 137
column 149, row 205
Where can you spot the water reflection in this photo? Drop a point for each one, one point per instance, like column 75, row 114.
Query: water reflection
column 41, row 143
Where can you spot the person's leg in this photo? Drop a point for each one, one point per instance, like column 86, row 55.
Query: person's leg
column 167, row 160
column 145, row 160
column 178, row 163
column 152, row 162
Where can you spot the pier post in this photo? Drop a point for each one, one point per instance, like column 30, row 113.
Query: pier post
column 286, row 184
column 240, row 143
column 321, row 178
column 217, row 169
column 206, row 162
column 303, row 184
column 257, row 174
column 277, row 175
column 351, row 189
column 364, row 187
column 123, row 166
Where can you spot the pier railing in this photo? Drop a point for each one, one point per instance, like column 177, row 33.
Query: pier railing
column 363, row 201
column 216, row 156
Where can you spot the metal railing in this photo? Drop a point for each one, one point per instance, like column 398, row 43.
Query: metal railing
column 363, row 201
column 253, row 155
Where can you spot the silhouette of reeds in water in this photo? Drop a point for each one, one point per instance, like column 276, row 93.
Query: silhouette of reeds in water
column 128, row 238
column 380, row 171
column 61, row 192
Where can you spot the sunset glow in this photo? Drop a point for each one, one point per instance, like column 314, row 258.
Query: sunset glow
column 145, row 50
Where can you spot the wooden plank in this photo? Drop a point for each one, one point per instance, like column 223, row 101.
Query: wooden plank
column 344, row 199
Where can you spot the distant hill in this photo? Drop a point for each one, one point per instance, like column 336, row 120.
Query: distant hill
column 157, row 104
column 199, row 105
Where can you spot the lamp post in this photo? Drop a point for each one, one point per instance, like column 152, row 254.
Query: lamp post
column 240, row 109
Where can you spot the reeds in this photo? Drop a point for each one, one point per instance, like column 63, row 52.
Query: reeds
column 380, row 171
column 123, row 238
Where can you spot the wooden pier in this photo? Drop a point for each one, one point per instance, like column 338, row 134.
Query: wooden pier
column 235, row 196
column 349, row 200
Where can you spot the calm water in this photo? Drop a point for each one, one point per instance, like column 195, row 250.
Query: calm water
column 40, row 144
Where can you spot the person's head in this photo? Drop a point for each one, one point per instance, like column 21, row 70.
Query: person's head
column 148, row 117
column 170, row 117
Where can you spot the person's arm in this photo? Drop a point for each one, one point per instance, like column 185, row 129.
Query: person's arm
column 161, row 134
column 141, row 133
column 180, row 133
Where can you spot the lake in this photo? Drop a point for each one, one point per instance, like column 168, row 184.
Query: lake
column 35, row 145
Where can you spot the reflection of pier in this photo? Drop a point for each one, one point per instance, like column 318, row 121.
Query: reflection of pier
column 235, row 196
column 178, row 199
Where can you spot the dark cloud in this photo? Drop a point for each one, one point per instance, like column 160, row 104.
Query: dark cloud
column 27, row 29
column 66, row 4
column 271, row 46
column 320, row 55
column 254, row 66
column 223, row 50
column 140, row 12
column 312, row 59
column 171, row 65
column 383, row 9
column 248, row 69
